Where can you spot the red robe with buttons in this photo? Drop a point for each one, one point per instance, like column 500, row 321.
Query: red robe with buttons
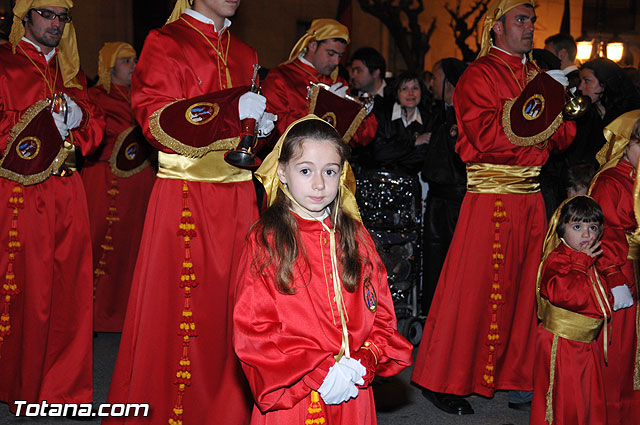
column 578, row 389
column 177, row 62
column 286, row 91
column 613, row 189
column 287, row 343
column 48, row 355
column 478, row 334
column 130, row 203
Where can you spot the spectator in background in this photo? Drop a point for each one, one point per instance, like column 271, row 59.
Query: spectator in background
column 445, row 173
column 402, row 134
column 367, row 72
column 565, row 48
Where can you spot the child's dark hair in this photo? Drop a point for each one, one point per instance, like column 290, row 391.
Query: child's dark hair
column 579, row 174
column 580, row 209
column 277, row 232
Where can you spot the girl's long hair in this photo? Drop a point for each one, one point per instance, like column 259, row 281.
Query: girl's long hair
column 277, row 232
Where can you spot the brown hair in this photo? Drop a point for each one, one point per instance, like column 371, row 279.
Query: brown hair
column 581, row 209
column 277, row 232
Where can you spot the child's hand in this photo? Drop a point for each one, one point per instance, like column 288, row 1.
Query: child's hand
column 593, row 251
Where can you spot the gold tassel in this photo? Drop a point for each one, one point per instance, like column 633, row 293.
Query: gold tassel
column 187, row 326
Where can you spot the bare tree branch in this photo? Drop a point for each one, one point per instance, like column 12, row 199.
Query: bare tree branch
column 463, row 30
column 401, row 17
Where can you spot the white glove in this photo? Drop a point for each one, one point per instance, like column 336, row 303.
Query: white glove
column 359, row 370
column 339, row 89
column 621, row 297
column 63, row 129
column 266, row 124
column 74, row 113
column 559, row 76
column 338, row 385
column 251, row 105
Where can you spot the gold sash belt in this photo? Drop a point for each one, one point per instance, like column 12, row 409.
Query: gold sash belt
column 210, row 168
column 568, row 324
column 500, row 178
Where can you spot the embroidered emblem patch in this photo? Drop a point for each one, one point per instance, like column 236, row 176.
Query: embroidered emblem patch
column 131, row 151
column 330, row 117
column 453, row 131
column 533, row 107
column 370, row 297
column 201, row 113
column 28, row 148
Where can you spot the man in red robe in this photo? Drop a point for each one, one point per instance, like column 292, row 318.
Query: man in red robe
column 46, row 297
column 189, row 93
column 478, row 337
column 314, row 59
column 118, row 182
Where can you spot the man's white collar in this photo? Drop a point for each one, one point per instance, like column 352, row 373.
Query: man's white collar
column 200, row 17
column 524, row 57
column 47, row 56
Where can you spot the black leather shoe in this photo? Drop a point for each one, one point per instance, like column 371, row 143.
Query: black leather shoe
column 449, row 403
column 525, row 407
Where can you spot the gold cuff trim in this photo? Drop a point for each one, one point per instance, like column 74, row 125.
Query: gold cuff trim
column 500, row 178
column 175, row 145
column 568, row 324
column 114, row 156
column 26, row 118
column 210, row 168
column 541, row 137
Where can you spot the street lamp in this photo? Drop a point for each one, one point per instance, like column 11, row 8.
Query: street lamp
column 584, row 50
column 615, row 51
column 588, row 49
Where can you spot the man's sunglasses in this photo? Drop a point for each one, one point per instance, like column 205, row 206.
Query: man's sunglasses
column 65, row 18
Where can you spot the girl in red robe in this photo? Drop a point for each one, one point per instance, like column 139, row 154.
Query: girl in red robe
column 616, row 189
column 313, row 319
column 573, row 308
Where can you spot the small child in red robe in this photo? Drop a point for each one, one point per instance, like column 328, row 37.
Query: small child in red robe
column 573, row 309
column 313, row 318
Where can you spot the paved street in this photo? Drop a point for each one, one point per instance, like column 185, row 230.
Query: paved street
column 399, row 402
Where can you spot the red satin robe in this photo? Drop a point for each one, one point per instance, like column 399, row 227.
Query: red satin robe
column 286, row 91
column 177, row 62
column 48, row 355
column 455, row 355
column 286, row 343
column 613, row 190
column 578, row 389
column 130, row 202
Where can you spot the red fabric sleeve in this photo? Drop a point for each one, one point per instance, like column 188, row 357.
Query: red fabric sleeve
column 281, row 367
column 565, row 282
column 613, row 197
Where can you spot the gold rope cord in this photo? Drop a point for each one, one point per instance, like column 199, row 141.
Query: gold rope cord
column 548, row 417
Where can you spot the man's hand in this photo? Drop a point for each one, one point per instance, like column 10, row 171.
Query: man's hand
column 266, row 124
column 339, row 90
column 62, row 127
column 74, row 113
column 559, row 76
column 251, row 105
